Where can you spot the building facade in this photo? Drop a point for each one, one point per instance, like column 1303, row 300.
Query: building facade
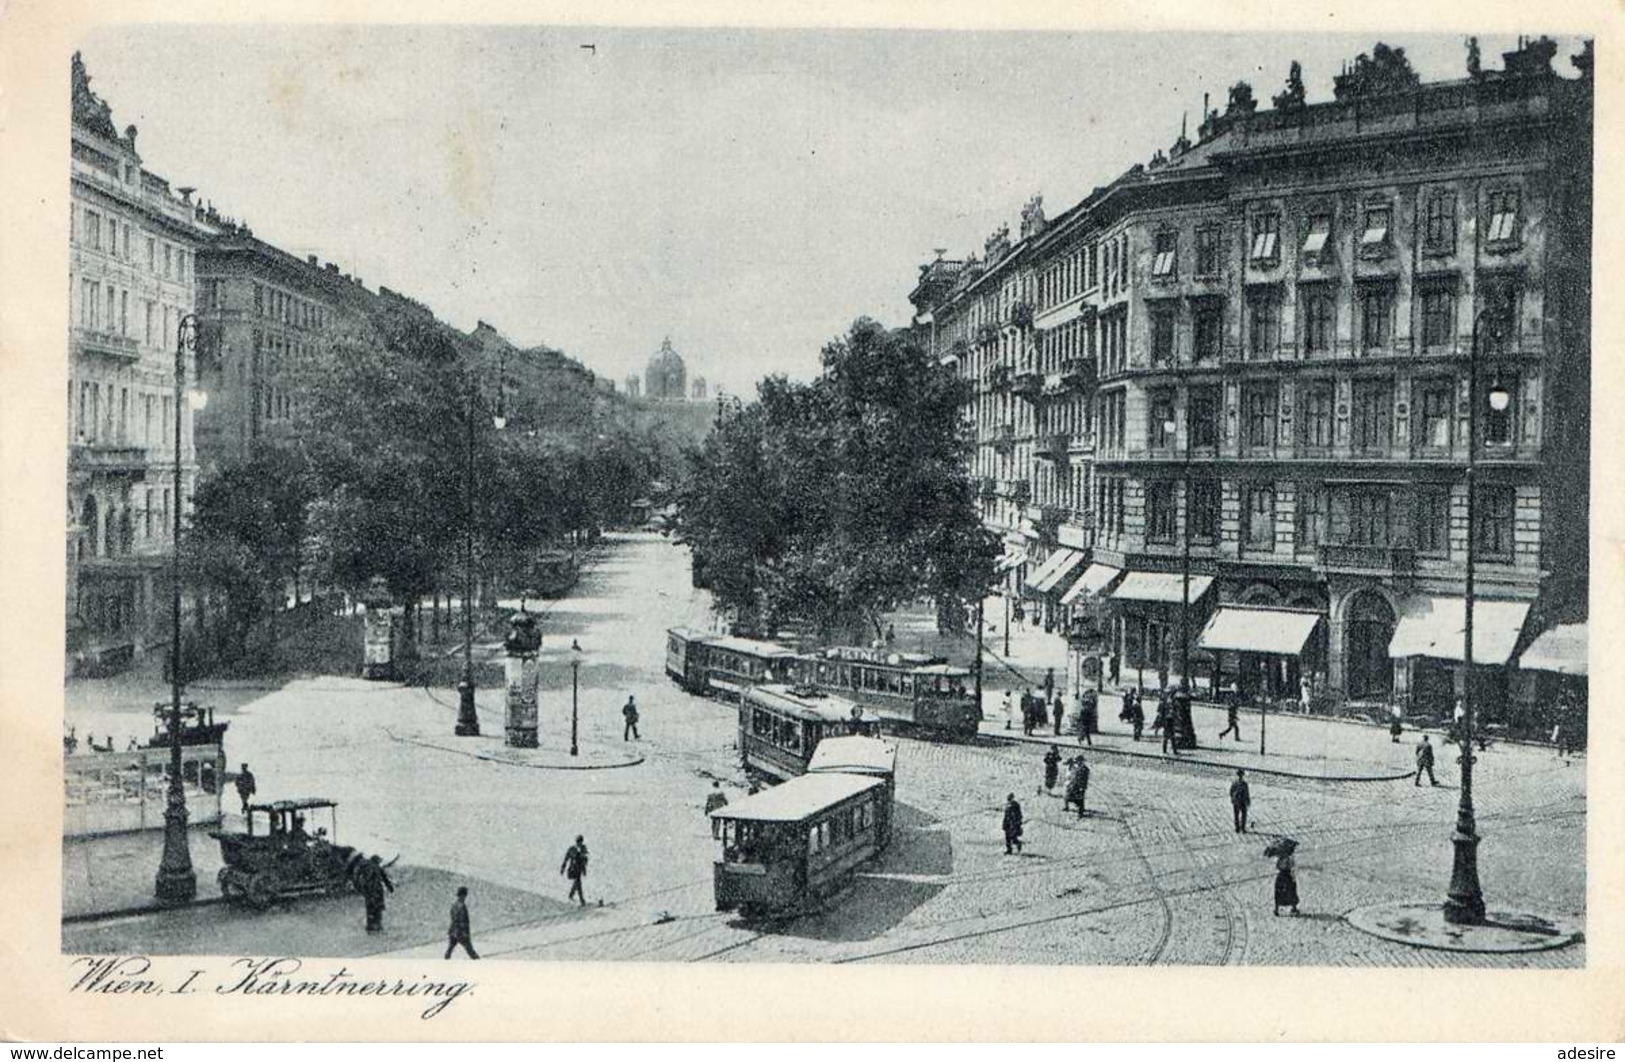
column 1251, row 356
column 131, row 284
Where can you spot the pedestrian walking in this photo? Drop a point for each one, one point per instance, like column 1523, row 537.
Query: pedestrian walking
column 574, row 867
column 1305, row 695
column 1077, row 786
column 1424, row 761
column 1028, row 716
column 1396, row 725
column 1052, row 768
column 1055, row 711
column 1009, row 711
column 1012, row 825
column 1286, row 873
column 1135, row 713
column 630, row 712
column 1088, row 716
column 1049, row 683
column 1165, row 719
column 716, row 798
column 246, row 788
column 459, row 932
column 372, row 881
column 1241, row 798
column 1040, row 711
column 1232, row 722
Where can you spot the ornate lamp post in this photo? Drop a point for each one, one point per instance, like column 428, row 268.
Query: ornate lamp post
column 1464, row 901
column 575, row 689
column 177, row 881
column 468, row 720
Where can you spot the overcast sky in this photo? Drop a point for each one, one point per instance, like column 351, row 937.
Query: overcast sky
column 746, row 192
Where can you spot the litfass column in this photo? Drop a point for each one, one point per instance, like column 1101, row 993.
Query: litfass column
column 523, row 643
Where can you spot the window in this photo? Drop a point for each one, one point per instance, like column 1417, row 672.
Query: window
column 1263, row 321
column 1373, row 416
column 1498, row 423
column 1259, row 517
column 1161, row 407
column 1494, row 517
column 1315, row 416
column 1208, row 328
column 1258, row 403
column 1159, row 510
column 151, row 321
column 1203, row 511
column 259, row 301
column 1266, row 238
column 1311, row 515
column 1207, row 251
column 152, row 255
column 1162, row 334
column 1433, row 519
column 1362, row 518
column 1439, row 222
column 123, row 313
column 1498, row 328
column 1163, row 264
column 95, row 301
column 1502, row 206
column 1202, row 417
column 1319, row 317
column 1314, row 241
column 112, row 307
column 1374, row 236
column 93, row 222
column 169, row 261
column 1433, row 402
column 1438, row 317
column 1376, row 317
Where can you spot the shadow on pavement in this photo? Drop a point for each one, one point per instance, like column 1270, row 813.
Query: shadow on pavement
column 866, row 910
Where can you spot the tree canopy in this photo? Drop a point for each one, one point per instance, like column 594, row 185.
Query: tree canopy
column 833, row 501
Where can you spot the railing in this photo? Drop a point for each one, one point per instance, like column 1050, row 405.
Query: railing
column 1054, row 446
column 998, row 377
column 1398, row 560
column 1051, row 515
column 1004, row 437
column 118, row 792
column 1027, row 384
column 1021, row 315
column 1018, row 490
column 107, row 344
column 108, row 457
column 987, row 487
column 1078, row 373
column 987, row 334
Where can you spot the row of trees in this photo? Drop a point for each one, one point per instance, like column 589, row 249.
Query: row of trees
column 374, row 479
column 832, row 502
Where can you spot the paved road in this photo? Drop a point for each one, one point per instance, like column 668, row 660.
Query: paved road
column 1154, row 874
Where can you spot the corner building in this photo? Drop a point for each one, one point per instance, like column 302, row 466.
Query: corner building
column 1256, row 348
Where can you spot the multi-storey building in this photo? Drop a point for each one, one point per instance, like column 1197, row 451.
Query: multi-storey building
column 1254, row 352
column 131, row 284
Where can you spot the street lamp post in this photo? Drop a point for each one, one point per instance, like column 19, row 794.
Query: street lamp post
column 575, row 692
column 1464, row 901
column 468, row 720
column 177, row 881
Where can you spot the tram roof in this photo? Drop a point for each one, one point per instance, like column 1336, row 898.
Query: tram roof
column 808, row 704
column 799, row 798
column 860, row 755
column 749, row 645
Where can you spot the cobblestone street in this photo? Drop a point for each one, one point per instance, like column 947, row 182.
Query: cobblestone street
column 1153, row 874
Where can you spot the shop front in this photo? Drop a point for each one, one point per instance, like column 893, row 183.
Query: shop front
column 1263, row 654
column 1428, row 648
column 1148, row 607
column 1050, row 579
column 1554, row 691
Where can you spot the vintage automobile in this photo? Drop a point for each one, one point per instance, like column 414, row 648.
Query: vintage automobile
column 284, row 858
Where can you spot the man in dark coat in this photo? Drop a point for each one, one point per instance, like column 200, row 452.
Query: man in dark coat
column 1077, row 786
column 1052, row 767
column 459, row 932
column 1232, row 725
column 1424, row 761
column 1055, row 713
column 630, row 711
column 574, row 867
column 1241, row 798
column 1135, row 713
column 1089, row 717
column 372, row 879
column 1012, row 825
column 246, row 787
column 1049, row 683
column 1165, row 719
column 1029, row 717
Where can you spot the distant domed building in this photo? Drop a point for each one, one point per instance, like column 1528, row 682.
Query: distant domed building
column 666, row 377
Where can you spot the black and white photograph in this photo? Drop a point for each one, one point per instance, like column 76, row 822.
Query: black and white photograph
column 872, row 496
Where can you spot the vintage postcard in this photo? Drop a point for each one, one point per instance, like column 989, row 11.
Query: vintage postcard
column 565, row 523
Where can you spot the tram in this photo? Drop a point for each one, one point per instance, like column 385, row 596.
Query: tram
column 788, row 849
column 717, row 665
column 905, row 689
column 781, row 727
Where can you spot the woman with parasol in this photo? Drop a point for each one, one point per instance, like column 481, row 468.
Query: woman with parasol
column 1286, row 873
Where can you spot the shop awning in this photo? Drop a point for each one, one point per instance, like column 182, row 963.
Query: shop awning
column 1281, row 632
column 1435, row 627
column 1061, row 564
column 1162, row 587
column 1561, row 649
column 1012, row 558
column 1094, row 579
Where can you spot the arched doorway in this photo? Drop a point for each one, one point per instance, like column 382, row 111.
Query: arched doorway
column 1370, row 627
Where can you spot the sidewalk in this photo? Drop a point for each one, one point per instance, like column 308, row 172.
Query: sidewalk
column 115, row 873
column 1295, row 746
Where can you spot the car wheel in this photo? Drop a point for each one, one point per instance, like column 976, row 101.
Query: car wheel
column 227, row 881
column 261, row 890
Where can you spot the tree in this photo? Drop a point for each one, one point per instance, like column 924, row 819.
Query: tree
column 835, row 501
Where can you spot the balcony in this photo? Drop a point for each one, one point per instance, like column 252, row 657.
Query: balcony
column 1368, row 560
column 1054, row 446
column 1027, row 384
column 109, row 458
column 107, row 344
column 987, row 335
column 1078, row 373
column 1018, row 491
column 1021, row 315
column 998, row 377
column 987, row 487
column 1004, row 438
column 1051, row 516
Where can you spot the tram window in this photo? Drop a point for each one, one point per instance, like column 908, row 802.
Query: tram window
column 866, row 812
column 792, row 736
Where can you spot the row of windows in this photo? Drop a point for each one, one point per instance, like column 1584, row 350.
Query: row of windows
column 112, row 532
column 778, row 731
column 104, row 232
column 841, row 827
column 106, row 308
column 289, row 309
column 1374, row 239
column 114, row 415
column 1416, row 517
